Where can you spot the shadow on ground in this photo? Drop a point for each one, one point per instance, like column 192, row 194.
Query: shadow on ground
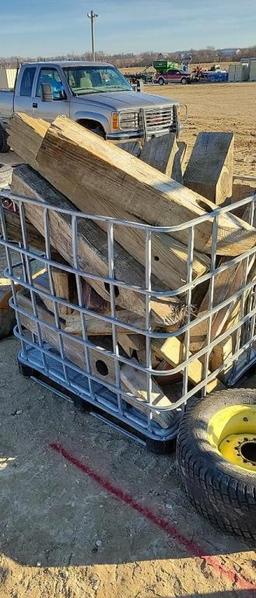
column 53, row 514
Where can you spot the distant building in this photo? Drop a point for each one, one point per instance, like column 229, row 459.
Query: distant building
column 228, row 51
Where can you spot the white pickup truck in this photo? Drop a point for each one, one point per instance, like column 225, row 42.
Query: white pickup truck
column 94, row 94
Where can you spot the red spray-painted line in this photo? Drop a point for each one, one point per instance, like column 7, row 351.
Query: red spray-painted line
column 190, row 546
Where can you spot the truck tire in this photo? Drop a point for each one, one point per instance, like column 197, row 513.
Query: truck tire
column 161, row 81
column 94, row 127
column 216, row 457
column 5, row 175
column 4, row 147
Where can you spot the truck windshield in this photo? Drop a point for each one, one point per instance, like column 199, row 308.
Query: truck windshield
column 95, row 79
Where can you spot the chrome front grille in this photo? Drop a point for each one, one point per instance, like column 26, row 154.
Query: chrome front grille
column 160, row 119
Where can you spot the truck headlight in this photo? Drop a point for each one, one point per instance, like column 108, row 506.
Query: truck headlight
column 129, row 120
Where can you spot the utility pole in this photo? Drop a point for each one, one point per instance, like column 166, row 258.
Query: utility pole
column 92, row 15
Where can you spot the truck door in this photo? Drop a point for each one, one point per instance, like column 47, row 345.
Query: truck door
column 23, row 92
column 174, row 75
column 48, row 110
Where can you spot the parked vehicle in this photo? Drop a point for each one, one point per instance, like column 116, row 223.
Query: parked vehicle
column 173, row 76
column 96, row 95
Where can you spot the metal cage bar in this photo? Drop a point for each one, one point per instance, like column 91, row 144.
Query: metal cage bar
column 111, row 394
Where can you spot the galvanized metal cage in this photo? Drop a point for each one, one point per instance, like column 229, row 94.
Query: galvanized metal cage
column 93, row 384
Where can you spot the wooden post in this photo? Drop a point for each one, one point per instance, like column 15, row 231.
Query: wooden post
column 171, row 351
column 84, row 165
column 210, row 167
column 92, row 245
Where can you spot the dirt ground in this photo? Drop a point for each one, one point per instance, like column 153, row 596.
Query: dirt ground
column 104, row 518
column 219, row 107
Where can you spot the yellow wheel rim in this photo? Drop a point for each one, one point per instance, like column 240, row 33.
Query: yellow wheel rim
column 232, row 431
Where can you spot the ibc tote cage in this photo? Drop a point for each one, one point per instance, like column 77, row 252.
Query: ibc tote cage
column 110, row 400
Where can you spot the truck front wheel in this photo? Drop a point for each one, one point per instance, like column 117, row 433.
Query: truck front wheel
column 94, row 127
column 4, row 147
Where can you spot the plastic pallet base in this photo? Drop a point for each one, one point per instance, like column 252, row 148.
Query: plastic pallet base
column 160, row 447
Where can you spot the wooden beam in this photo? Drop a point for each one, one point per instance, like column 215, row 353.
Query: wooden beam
column 92, row 246
column 135, row 381
column 223, row 351
column 132, row 147
column 64, row 288
column 171, row 351
column 13, row 227
column 210, row 167
column 84, row 165
column 102, row 366
column 226, row 284
column 163, row 153
column 169, row 257
column 96, row 326
column 160, row 152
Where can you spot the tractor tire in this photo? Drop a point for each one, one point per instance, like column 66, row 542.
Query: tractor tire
column 216, row 457
column 161, row 81
column 4, row 147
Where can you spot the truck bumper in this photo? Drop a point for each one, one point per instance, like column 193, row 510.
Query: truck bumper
column 125, row 136
column 136, row 136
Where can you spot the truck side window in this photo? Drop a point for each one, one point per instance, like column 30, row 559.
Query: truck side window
column 27, row 81
column 50, row 77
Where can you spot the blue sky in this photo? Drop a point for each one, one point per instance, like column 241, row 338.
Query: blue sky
column 47, row 27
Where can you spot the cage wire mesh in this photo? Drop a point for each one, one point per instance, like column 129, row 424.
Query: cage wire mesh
column 92, row 366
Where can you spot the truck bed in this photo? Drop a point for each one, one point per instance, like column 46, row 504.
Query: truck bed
column 6, row 103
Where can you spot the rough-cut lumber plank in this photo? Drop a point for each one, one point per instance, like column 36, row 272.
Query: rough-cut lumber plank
column 241, row 191
column 102, row 366
column 85, row 164
column 169, row 378
column 163, row 153
column 160, row 152
column 131, row 343
column 169, row 257
column 13, row 227
column 27, row 137
column 97, row 326
column 226, row 284
column 92, row 248
column 171, row 351
column 64, row 288
column 132, row 147
column 210, row 167
column 142, row 190
column 7, row 315
column 224, row 350
column 72, row 323
column 135, row 381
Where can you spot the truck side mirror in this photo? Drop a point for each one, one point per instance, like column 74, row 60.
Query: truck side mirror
column 46, row 92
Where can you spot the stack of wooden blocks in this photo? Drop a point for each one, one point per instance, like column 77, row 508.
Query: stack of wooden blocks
column 69, row 167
